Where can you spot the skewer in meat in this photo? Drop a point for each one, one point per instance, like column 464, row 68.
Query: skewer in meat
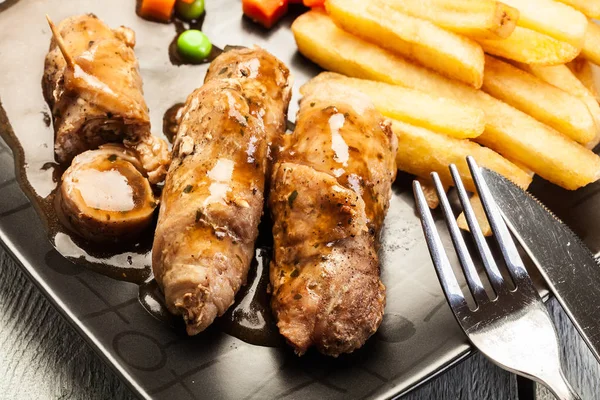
column 212, row 201
column 93, row 86
column 330, row 191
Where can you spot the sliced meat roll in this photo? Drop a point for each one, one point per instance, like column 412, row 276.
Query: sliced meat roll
column 212, row 201
column 330, row 191
column 105, row 197
column 93, row 86
column 272, row 100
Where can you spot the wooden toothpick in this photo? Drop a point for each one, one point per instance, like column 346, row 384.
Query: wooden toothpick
column 61, row 43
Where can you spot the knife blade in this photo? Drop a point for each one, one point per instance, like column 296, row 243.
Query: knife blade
column 567, row 265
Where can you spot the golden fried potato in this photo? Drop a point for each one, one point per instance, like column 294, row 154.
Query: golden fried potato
column 539, row 99
column 421, row 151
column 591, row 8
column 484, row 19
column 531, row 47
column 523, row 167
column 557, row 75
column 413, row 106
column 545, row 151
column 583, row 70
column 552, row 18
column 334, row 49
column 563, row 78
column 509, row 131
column 479, row 212
column 430, row 193
column 448, row 53
column 591, row 45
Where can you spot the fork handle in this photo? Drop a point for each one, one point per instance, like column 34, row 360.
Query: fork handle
column 560, row 387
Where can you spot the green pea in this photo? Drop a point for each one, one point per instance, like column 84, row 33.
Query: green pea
column 189, row 11
column 194, row 45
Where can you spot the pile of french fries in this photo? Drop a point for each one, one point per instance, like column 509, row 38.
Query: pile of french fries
column 509, row 82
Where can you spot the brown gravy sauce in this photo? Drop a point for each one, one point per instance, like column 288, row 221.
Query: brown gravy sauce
column 249, row 318
column 170, row 121
column 180, row 27
column 5, row 4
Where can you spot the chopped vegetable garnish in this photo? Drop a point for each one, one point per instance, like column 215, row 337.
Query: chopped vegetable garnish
column 265, row 12
column 314, row 3
column 160, row 10
column 194, row 45
column 292, row 198
column 189, row 10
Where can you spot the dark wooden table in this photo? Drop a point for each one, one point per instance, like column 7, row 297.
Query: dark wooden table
column 42, row 357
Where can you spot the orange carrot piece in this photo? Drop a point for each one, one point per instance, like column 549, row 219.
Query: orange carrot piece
column 160, row 10
column 314, row 3
column 265, row 12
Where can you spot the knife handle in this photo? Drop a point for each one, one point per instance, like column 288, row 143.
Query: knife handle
column 560, row 387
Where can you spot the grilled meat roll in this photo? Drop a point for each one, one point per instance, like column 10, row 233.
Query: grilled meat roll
column 104, row 195
column 273, row 98
column 212, row 201
column 330, row 191
column 93, row 86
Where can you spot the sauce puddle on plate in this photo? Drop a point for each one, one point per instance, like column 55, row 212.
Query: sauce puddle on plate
column 180, row 27
column 5, row 4
column 248, row 319
column 170, row 121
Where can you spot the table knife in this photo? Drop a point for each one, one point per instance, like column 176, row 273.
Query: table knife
column 567, row 265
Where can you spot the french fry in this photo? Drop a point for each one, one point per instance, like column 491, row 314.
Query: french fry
column 523, row 167
column 509, row 131
column 319, row 39
column 448, row 53
column 479, row 212
column 415, row 107
column 421, row 151
column 430, row 194
column 539, row 99
column 552, row 18
column 582, row 69
column 540, row 148
column 562, row 77
column 484, row 19
column 591, row 44
column 591, row 8
column 531, row 47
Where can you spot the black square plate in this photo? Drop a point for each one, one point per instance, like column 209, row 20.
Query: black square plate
column 418, row 338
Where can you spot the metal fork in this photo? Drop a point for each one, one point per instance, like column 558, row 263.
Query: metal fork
column 513, row 329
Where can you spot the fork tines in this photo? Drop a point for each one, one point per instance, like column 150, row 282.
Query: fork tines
column 513, row 329
column 501, row 234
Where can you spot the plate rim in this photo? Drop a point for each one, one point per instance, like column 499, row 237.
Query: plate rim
column 114, row 364
column 69, row 317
